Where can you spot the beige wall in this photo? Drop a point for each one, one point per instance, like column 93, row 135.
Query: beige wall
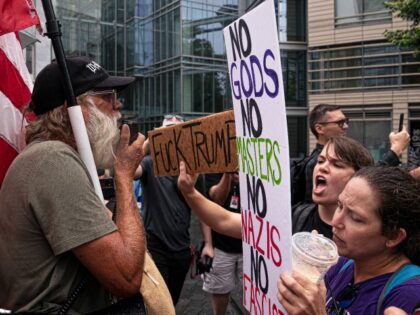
column 322, row 31
column 399, row 99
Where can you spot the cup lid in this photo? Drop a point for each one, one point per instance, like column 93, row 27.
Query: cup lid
column 315, row 248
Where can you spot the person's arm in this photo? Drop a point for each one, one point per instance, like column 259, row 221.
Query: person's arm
column 300, row 296
column 219, row 193
column 218, row 218
column 138, row 173
column 116, row 259
column 208, row 243
column 399, row 142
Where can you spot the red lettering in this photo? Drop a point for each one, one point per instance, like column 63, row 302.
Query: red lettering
column 244, row 219
column 251, row 230
column 274, row 248
column 267, row 228
column 258, row 248
column 246, row 281
column 252, row 299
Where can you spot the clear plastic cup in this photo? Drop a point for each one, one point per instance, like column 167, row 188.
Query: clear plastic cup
column 313, row 254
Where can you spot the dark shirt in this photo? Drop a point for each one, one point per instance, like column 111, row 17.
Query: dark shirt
column 166, row 214
column 225, row 243
column 305, row 218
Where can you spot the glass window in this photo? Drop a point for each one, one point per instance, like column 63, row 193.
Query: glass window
column 414, row 129
column 360, row 11
column 378, row 66
column 371, row 132
column 294, row 77
column 291, row 25
column 297, row 130
column 412, row 79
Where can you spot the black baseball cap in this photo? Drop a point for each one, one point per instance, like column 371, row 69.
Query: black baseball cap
column 85, row 74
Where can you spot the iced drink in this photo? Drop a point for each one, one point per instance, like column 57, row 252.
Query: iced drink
column 313, row 254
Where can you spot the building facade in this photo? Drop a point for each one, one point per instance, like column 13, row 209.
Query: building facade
column 351, row 64
column 176, row 51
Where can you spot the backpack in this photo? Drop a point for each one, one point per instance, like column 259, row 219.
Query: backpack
column 404, row 273
column 298, row 178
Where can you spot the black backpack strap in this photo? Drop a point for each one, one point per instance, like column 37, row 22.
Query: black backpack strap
column 300, row 213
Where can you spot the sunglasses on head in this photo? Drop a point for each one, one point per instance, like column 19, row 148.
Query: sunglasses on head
column 107, row 95
column 340, row 122
column 170, row 116
column 344, row 300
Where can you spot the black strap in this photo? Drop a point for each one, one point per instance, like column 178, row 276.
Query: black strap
column 72, row 298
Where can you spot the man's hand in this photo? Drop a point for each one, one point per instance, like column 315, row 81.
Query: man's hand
column 207, row 250
column 186, row 182
column 415, row 172
column 300, row 296
column 399, row 141
column 128, row 157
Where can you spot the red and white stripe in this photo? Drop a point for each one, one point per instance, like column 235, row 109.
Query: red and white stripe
column 15, row 92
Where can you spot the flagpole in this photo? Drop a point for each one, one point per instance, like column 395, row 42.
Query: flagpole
column 75, row 113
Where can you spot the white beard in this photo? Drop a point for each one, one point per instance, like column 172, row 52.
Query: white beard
column 103, row 135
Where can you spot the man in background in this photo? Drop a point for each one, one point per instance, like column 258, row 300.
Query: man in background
column 167, row 220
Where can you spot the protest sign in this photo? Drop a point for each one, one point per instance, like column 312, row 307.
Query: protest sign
column 206, row 145
column 263, row 155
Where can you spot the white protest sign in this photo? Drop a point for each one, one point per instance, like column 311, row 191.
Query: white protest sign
column 263, row 155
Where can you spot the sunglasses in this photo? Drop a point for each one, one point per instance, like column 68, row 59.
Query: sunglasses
column 107, row 95
column 170, row 116
column 340, row 122
column 344, row 300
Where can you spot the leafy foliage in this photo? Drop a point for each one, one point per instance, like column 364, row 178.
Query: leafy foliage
column 408, row 10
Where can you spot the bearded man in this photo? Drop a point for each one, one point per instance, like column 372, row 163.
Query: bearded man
column 58, row 243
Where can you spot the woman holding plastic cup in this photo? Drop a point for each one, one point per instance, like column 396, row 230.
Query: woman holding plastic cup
column 376, row 228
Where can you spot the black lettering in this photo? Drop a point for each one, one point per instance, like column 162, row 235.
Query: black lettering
column 248, row 113
column 199, row 143
column 243, row 29
column 157, row 152
column 258, row 265
column 257, row 199
column 177, row 149
column 191, row 126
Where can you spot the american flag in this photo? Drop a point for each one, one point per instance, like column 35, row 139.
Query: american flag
column 15, row 80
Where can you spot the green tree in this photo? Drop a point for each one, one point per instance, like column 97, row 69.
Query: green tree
column 408, row 10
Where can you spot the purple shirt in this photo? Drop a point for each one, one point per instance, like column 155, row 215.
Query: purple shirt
column 404, row 296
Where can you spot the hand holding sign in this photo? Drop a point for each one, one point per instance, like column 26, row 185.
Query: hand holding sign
column 186, row 182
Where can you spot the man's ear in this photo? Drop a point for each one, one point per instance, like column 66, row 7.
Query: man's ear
column 396, row 238
column 319, row 130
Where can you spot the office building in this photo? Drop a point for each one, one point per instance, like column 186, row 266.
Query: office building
column 351, row 64
column 176, row 51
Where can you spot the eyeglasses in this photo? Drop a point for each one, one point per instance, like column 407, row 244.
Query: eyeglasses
column 107, row 95
column 344, row 300
column 340, row 122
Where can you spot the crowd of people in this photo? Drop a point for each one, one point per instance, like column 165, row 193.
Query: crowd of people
column 62, row 251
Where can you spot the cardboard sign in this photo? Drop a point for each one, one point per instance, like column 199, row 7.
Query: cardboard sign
column 206, row 145
column 263, row 155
